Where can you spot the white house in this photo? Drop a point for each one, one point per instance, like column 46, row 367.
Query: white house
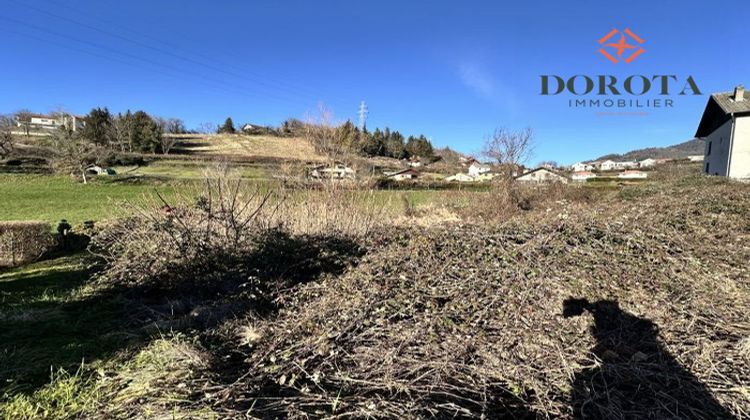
column 335, row 171
column 403, row 175
column 582, row 176
column 477, row 168
column 50, row 122
column 542, row 175
column 582, row 167
column 632, row 175
column 647, row 163
column 695, row 158
column 608, row 165
column 725, row 127
column 460, row 177
column 626, row 165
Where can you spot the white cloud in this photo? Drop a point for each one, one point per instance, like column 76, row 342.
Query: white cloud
column 476, row 78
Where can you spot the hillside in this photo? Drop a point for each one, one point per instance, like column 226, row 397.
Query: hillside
column 677, row 151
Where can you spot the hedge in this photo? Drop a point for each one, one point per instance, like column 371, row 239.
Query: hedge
column 23, row 241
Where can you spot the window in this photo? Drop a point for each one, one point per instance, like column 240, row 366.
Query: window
column 709, row 149
column 706, row 167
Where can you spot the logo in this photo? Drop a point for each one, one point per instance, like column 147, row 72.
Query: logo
column 626, row 94
column 620, row 47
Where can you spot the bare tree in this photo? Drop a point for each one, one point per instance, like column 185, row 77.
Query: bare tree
column 174, row 126
column 322, row 133
column 6, row 135
column 74, row 154
column 510, row 149
column 167, row 143
column 23, row 117
column 206, row 128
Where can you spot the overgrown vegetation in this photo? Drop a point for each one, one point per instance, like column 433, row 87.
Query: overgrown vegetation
column 559, row 302
column 23, row 242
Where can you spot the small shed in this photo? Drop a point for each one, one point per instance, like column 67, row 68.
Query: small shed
column 99, row 170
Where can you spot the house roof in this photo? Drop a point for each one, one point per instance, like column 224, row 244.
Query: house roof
column 540, row 169
column 403, row 171
column 719, row 109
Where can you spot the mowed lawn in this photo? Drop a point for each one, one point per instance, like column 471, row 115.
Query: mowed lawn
column 51, row 198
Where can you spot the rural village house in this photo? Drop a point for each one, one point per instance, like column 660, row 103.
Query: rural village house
column 542, row 175
column 632, row 175
column 460, row 177
column 725, row 127
column 582, row 167
column 477, row 168
column 52, row 122
column 607, row 165
column 647, row 163
column 403, row 175
column 582, row 176
column 336, row 171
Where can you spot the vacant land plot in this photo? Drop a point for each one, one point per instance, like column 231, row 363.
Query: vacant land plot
column 632, row 305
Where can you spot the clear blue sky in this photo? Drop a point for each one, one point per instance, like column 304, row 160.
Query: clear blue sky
column 450, row 70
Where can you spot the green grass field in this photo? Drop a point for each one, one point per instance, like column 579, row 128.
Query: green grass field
column 51, row 198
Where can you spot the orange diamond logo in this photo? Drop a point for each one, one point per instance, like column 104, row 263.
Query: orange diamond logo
column 620, row 50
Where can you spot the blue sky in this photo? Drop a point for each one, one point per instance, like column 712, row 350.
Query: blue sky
column 450, row 70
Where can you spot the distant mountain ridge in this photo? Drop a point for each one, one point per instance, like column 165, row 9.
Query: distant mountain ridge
column 677, row 151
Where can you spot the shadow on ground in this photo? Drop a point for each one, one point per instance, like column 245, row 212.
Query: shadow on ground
column 50, row 320
column 637, row 376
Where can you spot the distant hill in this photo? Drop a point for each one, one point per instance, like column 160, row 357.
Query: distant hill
column 677, row 151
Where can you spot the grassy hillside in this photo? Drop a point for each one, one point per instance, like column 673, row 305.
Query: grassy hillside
column 247, row 147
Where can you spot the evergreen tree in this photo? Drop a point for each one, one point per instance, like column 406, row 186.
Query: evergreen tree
column 374, row 144
column 346, row 136
column 419, row 147
column 227, row 127
column 99, row 127
column 394, row 145
column 147, row 133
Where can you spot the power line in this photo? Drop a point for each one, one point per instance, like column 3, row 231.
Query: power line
column 97, row 55
column 178, row 70
column 274, row 85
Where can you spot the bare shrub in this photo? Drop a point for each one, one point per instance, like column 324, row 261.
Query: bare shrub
column 507, row 198
column 227, row 233
column 6, row 135
column 167, row 243
column 508, row 148
column 23, row 242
